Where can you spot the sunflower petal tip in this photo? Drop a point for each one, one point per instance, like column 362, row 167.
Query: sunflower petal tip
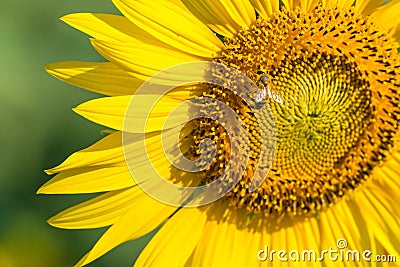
column 82, row 261
column 51, row 221
column 44, row 189
column 69, row 17
column 50, row 171
column 49, row 67
column 40, row 191
column 64, row 18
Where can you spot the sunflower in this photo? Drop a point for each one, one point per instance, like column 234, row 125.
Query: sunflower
column 334, row 68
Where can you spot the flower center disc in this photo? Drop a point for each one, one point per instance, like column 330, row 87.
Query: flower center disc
column 336, row 117
column 325, row 109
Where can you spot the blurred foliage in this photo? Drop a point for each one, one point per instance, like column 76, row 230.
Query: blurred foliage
column 39, row 130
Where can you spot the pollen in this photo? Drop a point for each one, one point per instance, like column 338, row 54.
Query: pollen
column 337, row 75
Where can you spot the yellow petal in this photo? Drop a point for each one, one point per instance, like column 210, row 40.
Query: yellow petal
column 175, row 241
column 305, row 5
column 225, row 17
column 345, row 3
column 293, row 234
column 330, row 230
column 387, row 16
column 291, row 4
column 108, row 148
column 88, row 180
column 100, row 211
column 358, row 221
column 396, row 35
column 224, row 243
column 308, row 4
column 147, row 59
column 382, row 218
column 266, row 7
column 387, row 176
column 366, row 7
column 172, row 23
column 100, row 77
column 108, row 27
column 112, row 112
column 143, row 216
column 115, row 154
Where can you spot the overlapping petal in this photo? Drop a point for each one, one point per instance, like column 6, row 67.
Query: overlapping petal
column 109, row 27
column 100, row 211
column 182, row 232
column 142, row 217
column 387, row 16
column 176, row 26
column 112, row 112
column 89, row 179
column 142, row 58
column 223, row 244
column 265, row 7
column 366, row 7
column 226, row 17
column 100, row 77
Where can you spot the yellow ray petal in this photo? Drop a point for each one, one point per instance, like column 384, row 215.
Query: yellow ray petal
column 290, row 240
column 305, row 5
column 396, row 35
column 225, row 17
column 176, row 26
column 382, row 218
column 144, row 216
column 310, row 236
column 108, row 27
column 356, row 221
column 111, row 112
column 175, row 241
column 332, row 234
column 153, row 164
column 109, row 147
column 114, row 156
column 224, row 243
column 308, row 4
column 147, row 59
column 291, row 4
column 387, row 178
column 295, row 234
column 97, row 212
column 330, row 3
column 345, row 3
column 387, row 16
column 366, row 7
column 118, row 29
column 109, row 150
column 100, row 77
column 341, row 227
column 88, row 180
column 265, row 7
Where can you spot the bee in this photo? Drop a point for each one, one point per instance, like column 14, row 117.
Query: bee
column 265, row 88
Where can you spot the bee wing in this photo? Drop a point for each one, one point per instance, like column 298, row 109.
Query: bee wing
column 274, row 95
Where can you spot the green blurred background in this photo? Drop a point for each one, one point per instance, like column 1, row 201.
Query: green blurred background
column 39, row 130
